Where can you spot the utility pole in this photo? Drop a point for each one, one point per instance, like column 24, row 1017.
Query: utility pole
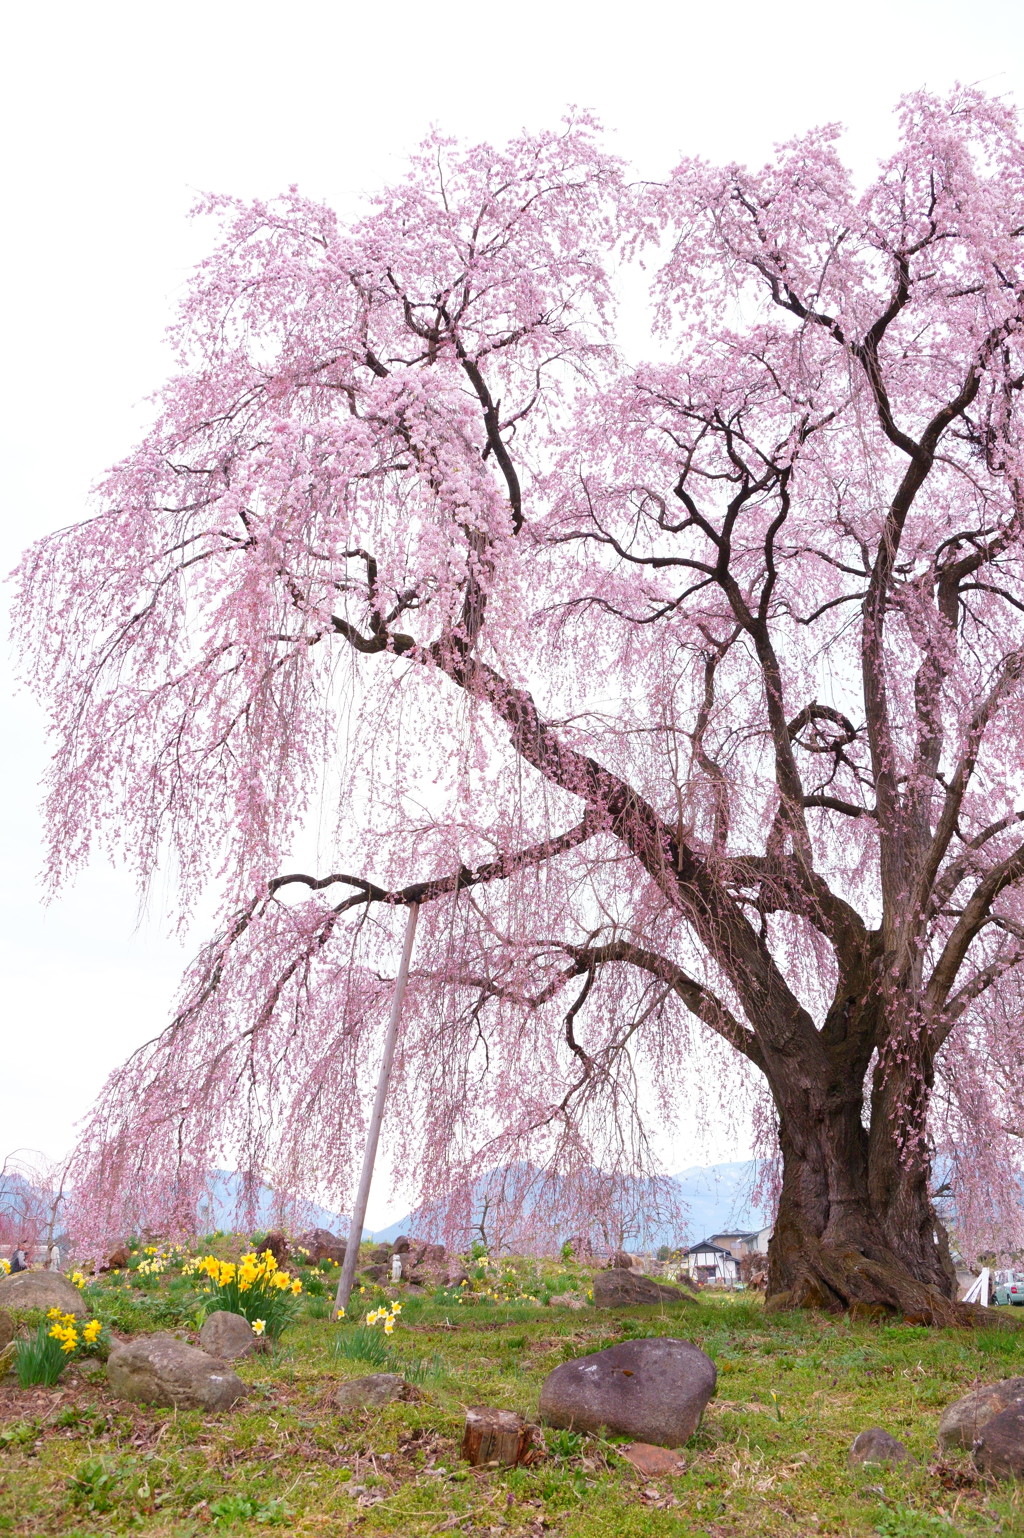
column 355, row 1233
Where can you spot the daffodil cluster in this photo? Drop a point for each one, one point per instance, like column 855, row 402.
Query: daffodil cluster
column 493, row 1281
column 388, row 1317
column 255, row 1287
column 5, row 1267
column 64, row 1329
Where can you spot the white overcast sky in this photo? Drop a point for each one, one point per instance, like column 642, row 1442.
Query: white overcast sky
column 115, row 116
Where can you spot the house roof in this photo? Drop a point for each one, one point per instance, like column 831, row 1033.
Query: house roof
column 706, row 1244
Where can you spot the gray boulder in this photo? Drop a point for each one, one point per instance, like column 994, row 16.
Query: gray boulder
column 41, row 1289
column 999, row 1449
column 228, row 1336
column 650, row 1390
column 402, row 1244
column 962, row 1421
column 161, row 1370
column 619, row 1288
column 876, row 1446
column 373, row 1391
column 6, row 1330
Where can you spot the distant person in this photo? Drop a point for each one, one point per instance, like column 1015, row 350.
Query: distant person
column 19, row 1260
column 53, row 1259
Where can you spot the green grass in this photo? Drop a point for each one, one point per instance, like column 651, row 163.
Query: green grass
column 769, row 1459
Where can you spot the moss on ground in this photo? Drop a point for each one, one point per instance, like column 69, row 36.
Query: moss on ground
column 770, row 1457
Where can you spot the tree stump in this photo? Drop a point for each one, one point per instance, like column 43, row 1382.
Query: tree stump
column 500, row 1437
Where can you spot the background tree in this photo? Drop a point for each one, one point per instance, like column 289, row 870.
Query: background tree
column 685, row 698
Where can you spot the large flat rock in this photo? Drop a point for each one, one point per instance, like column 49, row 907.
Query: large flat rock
column 651, row 1390
column 162, row 1370
column 41, row 1289
column 999, row 1449
column 961, row 1422
column 373, row 1391
column 619, row 1288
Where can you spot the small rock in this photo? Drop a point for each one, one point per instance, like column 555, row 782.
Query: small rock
column 277, row 1244
column 961, row 1422
column 876, row 1446
column 653, row 1390
column 41, row 1289
column 228, row 1336
column 157, row 1369
column 568, row 1300
column 379, row 1273
column 500, row 1437
column 6, row 1330
column 320, row 1244
column 455, row 1276
column 381, row 1255
column 654, row 1462
column 403, row 1244
column 620, row 1261
column 626, row 1289
column 999, row 1449
column 119, row 1260
column 89, row 1367
column 373, row 1391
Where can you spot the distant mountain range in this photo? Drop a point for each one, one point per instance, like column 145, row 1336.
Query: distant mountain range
column 717, row 1198
column 220, row 1210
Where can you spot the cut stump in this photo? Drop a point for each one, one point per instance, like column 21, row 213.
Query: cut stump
column 500, row 1437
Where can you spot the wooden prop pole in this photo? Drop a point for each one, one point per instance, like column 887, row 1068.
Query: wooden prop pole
column 355, row 1233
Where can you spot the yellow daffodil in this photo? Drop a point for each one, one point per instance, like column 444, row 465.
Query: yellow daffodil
column 296, row 1286
column 91, row 1332
column 5, row 1267
column 54, row 1313
column 258, row 1326
column 339, row 1313
column 78, row 1280
column 396, row 1308
column 389, row 1326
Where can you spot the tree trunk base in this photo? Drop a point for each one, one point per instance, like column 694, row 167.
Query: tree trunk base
column 824, row 1277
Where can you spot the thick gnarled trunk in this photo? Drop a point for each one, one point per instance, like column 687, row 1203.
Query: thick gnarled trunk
column 855, row 1224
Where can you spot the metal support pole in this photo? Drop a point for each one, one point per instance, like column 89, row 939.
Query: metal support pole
column 355, row 1233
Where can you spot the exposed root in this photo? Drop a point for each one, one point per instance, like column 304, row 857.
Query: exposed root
column 840, row 1279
